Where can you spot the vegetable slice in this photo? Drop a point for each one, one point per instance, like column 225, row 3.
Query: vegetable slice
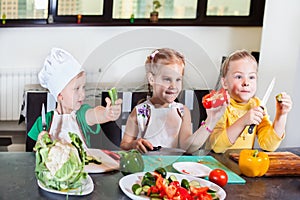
column 214, row 99
column 113, row 95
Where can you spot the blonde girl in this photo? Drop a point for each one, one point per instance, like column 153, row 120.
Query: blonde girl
column 239, row 78
column 160, row 121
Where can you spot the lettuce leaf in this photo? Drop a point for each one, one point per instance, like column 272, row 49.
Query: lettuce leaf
column 71, row 173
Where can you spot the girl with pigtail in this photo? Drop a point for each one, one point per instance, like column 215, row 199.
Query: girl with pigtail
column 160, row 121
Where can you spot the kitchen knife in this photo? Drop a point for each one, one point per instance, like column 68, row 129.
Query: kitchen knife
column 159, row 150
column 263, row 102
column 43, row 114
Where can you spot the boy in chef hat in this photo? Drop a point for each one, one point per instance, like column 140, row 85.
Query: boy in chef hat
column 63, row 76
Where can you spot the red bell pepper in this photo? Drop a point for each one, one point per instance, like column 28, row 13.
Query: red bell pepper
column 214, row 99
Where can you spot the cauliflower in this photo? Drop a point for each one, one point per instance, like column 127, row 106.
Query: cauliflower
column 59, row 165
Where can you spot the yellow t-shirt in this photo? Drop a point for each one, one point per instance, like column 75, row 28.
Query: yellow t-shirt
column 267, row 138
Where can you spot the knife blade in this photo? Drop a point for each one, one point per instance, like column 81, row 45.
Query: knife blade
column 264, row 101
column 43, row 114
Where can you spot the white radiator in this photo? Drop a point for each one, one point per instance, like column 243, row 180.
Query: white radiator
column 12, row 82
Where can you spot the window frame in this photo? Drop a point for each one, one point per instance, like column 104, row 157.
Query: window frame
column 255, row 18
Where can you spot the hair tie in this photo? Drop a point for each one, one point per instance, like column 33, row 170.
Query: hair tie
column 153, row 54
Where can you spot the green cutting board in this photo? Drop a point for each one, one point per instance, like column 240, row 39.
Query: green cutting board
column 152, row 162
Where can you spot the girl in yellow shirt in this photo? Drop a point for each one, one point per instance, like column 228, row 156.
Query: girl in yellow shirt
column 239, row 78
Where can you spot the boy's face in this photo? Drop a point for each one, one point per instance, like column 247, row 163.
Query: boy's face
column 73, row 95
column 241, row 80
column 167, row 83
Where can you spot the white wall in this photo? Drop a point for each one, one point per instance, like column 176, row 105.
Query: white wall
column 27, row 47
column 280, row 58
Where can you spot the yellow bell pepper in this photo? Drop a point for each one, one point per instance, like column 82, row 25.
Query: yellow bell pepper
column 253, row 163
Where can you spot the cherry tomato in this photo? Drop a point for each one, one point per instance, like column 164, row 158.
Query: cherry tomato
column 214, row 99
column 219, row 177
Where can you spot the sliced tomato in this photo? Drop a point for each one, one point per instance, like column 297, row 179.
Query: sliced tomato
column 175, row 183
column 160, row 182
column 153, row 190
column 171, row 191
column 182, row 194
column 198, row 190
column 203, row 196
column 214, row 99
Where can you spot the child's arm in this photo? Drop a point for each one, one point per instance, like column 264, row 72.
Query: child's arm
column 282, row 109
column 101, row 114
column 253, row 116
column 130, row 140
column 196, row 140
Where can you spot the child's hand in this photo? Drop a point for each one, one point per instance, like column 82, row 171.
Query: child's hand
column 142, row 145
column 41, row 134
column 285, row 104
column 112, row 112
column 253, row 116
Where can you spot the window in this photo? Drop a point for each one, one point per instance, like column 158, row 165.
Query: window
column 24, row 9
column 228, row 8
column 132, row 12
column 80, row 7
column 168, row 9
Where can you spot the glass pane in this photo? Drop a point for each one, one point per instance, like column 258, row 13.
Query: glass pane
column 228, row 7
column 80, row 7
column 171, row 9
column 24, row 9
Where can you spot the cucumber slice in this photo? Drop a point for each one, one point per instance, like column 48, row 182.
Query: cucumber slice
column 136, row 189
column 148, row 182
column 185, row 183
column 161, row 171
column 172, row 178
column 148, row 175
column 146, row 188
column 195, row 184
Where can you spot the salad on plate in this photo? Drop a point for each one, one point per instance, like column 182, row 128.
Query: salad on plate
column 161, row 184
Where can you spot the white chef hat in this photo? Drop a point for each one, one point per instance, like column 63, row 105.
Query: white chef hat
column 60, row 67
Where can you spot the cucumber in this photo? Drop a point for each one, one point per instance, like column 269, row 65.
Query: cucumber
column 136, row 189
column 92, row 159
column 113, row 95
column 172, row 178
column 148, row 182
column 161, row 171
column 146, row 188
column 213, row 194
column 148, row 175
column 195, row 184
column 185, row 184
column 155, row 196
column 279, row 98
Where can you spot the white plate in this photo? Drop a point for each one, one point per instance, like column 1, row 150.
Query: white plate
column 126, row 183
column 192, row 168
column 87, row 188
column 108, row 163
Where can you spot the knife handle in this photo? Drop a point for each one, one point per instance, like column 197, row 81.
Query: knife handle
column 155, row 148
column 251, row 127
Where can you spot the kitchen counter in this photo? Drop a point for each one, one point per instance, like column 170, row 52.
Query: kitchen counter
column 18, row 181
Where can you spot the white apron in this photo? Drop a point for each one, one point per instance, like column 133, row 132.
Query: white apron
column 163, row 125
column 61, row 125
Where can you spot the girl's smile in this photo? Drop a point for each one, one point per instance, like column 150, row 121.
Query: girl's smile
column 167, row 84
column 241, row 80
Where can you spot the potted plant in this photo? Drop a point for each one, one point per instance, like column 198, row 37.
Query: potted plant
column 154, row 14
